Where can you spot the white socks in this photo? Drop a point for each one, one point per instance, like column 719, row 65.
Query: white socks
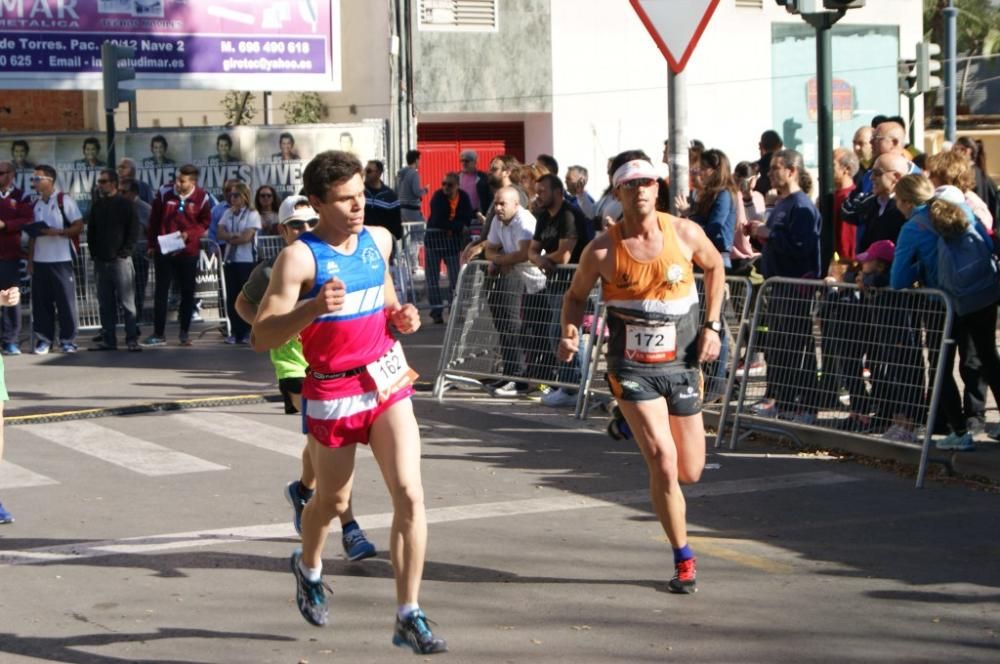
column 311, row 573
column 406, row 609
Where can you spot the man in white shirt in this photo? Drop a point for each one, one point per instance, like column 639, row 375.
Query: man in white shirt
column 507, row 245
column 50, row 263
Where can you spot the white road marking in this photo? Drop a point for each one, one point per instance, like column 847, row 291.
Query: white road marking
column 115, row 447
column 189, row 540
column 287, row 441
column 13, row 476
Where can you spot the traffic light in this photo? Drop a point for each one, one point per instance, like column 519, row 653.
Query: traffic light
column 818, row 6
column 927, row 65
column 789, row 133
column 114, row 74
column 907, row 76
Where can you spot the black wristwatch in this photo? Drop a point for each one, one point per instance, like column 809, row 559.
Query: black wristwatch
column 714, row 325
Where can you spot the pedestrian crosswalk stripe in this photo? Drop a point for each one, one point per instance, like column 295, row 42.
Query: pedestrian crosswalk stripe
column 283, row 440
column 115, row 447
column 13, row 476
column 153, row 544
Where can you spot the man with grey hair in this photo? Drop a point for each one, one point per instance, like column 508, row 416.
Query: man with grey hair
column 474, row 182
column 127, row 171
column 576, row 192
column 845, row 167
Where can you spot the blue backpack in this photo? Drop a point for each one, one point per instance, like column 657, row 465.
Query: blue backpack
column 967, row 270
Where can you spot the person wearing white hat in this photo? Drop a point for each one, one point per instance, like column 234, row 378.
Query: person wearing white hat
column 646, row 267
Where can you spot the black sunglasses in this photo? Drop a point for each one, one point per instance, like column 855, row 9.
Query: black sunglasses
column 300, row 225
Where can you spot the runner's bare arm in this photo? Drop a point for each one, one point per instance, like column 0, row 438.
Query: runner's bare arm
column 706, row 256
column 575, row 299
column 405, row 317
column 280, row 316
column 246, row 310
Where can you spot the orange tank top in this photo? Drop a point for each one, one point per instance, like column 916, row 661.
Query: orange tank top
column 661, row 289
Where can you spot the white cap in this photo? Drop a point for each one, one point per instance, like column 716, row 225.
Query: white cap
column 950, row 194
column 296, row 208
column 637, row 169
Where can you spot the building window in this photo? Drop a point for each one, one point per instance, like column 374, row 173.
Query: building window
column 756, row 4
column 459, row 15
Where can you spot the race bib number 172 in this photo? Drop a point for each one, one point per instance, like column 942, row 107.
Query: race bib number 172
column 651, row 343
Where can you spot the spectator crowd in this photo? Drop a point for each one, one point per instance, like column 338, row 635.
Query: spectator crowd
column 900, row 219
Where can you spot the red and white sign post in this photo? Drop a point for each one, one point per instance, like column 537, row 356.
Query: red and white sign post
column 676, row 26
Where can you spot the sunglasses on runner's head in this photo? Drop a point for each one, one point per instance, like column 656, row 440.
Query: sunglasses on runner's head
column 638, row 182
column 298, row 225
column 36, row 178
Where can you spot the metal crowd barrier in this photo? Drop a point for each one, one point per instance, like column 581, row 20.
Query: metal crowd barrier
column 719, row 375
column 210, row 290
column 862, row 362
column 505, row 327
column 269, row 246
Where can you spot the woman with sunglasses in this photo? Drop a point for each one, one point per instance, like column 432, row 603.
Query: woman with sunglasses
column 238, row 229
column 266, row 203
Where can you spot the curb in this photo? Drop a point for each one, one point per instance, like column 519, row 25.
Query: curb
column 142, row 408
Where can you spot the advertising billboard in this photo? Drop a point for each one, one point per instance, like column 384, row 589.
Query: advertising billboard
column 213, row 44
column 257, row 155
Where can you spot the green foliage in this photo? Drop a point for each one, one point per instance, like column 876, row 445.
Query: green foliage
column 305, row 108
column 978, row 25
column 239, row 107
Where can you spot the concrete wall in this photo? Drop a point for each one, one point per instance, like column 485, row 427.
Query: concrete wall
column 508, row 71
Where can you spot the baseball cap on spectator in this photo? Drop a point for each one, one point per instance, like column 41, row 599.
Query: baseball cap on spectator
column 296, row 208
column 637, row 169
column 883, row 250
column 950, row 194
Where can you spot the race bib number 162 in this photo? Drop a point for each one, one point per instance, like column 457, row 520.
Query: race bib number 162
column 391, row 373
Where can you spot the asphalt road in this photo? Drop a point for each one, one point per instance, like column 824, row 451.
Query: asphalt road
column 164, row 537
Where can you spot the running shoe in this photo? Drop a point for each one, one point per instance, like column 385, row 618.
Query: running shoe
column 510, row 389
column 560, row 398
column 956, row 442
column 683, row 581
column 356, row 544
column 993, row 432
column 764, row 409
column 154, row 340
column 309, row 595
column 415, row 633
column 230, row 340
column 899, row 434
column 68, row 347
column 11, row 349
column 42, row 348
column 804, row 417
column 618, row 428
column 5, row 516
column 186, row 341
column 855, row 423
column 292, row 495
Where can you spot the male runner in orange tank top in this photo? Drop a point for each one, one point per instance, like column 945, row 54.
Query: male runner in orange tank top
column 655, row 346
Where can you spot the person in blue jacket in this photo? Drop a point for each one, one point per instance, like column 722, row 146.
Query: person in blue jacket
column 933, row 213
column 791, row 248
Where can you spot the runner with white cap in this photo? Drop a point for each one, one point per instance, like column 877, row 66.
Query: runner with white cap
column 645, row 265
